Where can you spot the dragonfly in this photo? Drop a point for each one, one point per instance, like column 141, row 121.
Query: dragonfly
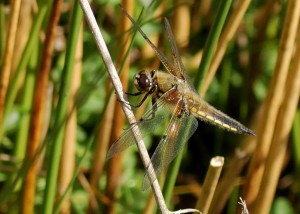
column 175, row 97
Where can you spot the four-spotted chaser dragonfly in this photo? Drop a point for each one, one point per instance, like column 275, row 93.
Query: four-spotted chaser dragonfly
column 174, row 93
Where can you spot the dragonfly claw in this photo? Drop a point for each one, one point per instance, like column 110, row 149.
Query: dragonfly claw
column 126, row 103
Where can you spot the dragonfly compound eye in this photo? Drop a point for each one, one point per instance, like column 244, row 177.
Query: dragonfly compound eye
column 142, row 81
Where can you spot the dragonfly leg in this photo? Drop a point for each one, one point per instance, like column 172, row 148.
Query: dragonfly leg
column 154, row 109
column 122, row 101
column 134, row 94
column 143, row 100
column 154, row 106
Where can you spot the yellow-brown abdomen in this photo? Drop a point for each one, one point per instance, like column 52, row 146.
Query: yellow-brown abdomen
column 207, row 113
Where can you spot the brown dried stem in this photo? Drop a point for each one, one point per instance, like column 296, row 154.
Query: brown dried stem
column 227, row 182
column 272, row 102
column 228, row 33
column 8, row 56
column 210, row 184
column 241, row 156
column 283, row 127
column 36, row 123
column 67, row 162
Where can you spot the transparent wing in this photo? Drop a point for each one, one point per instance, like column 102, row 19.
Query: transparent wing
column 164, row 60
column 172, row 142
column 179, row 67
column 147, row 125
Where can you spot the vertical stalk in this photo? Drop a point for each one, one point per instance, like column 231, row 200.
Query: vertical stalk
column 211, row 43
column 275, row 159
column 31, row 42
column 8, row 57
column 228, row 33
column 36, row 123
column 61, row 116
column 210, row 184
column 265, row 131
column 296, row 140
column 114, row 165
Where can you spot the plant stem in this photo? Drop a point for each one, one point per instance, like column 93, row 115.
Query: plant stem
column 212, row 41
column 55, row 150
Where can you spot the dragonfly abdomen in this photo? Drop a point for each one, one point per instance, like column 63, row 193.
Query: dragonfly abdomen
column 209, row 114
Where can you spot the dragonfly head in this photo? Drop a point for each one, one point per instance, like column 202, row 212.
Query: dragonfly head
column 144, row 80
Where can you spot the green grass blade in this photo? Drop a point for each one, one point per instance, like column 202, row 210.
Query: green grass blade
column 33, row 37
column 296, row 141
column 212, row 41
column 26, row 105
column 55, row 150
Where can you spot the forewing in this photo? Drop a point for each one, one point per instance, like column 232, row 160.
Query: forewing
column 179, row 67
column 172, row 142
column 147, row 125
column 164, row 60
column 180, row 70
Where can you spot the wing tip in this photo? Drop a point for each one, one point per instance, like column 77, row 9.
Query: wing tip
column 109, row 155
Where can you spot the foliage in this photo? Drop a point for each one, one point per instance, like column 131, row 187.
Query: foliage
column 81, row 124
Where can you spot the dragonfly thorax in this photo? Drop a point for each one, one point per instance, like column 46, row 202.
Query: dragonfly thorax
column 144, row 81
